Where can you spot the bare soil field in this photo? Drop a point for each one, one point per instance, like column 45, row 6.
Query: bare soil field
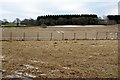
column 60, row 59
column 31, row 33
column 99, row 28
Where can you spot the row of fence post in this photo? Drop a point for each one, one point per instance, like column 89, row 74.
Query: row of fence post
column 63, row 36
column 11, row 36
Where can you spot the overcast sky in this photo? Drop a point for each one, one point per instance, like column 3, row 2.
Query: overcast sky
column 11, row 9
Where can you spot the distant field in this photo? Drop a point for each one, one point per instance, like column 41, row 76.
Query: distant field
column 10, row 24
column 45, row 33
column 60, row 59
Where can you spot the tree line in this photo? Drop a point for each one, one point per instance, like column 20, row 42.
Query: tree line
column 51, row 20
column 67, row 20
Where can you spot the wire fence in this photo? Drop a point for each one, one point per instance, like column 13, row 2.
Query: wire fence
column 61, row 35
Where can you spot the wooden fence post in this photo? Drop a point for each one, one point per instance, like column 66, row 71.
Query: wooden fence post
column 74, row 36
column 85, row 35
column 106, row 35
column 24, row 36
column 51, row 36
column 117, row 35
column 62, row 36
column 38, row 36
column 96, row 35
column 10, row 35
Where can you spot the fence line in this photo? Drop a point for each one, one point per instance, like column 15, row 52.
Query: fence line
column 63, row 36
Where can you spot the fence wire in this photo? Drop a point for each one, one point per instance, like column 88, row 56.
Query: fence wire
column 60, row 35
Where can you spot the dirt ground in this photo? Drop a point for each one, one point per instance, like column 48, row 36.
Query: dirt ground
column 31, row 33
column 99, row 28
column 60, row 59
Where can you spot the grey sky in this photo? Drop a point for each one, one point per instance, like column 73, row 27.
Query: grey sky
column 11, row 9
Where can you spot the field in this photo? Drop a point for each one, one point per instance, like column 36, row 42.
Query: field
column 59, row 58
column 69, row 33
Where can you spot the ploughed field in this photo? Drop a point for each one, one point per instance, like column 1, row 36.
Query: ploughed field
column 60, row 59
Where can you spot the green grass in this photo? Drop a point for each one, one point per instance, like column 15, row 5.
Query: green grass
column 13, row 27
column 6, row 26
column 10, row 24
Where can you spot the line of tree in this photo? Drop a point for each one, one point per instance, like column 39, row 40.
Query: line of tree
column 68, row 20
column 51, row 20
column 84, row 19
column 115, row 18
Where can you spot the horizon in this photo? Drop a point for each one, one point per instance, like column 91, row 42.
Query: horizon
column 11, row 10
column 103, row 17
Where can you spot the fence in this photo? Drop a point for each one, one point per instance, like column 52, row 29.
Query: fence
column 61, row 35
